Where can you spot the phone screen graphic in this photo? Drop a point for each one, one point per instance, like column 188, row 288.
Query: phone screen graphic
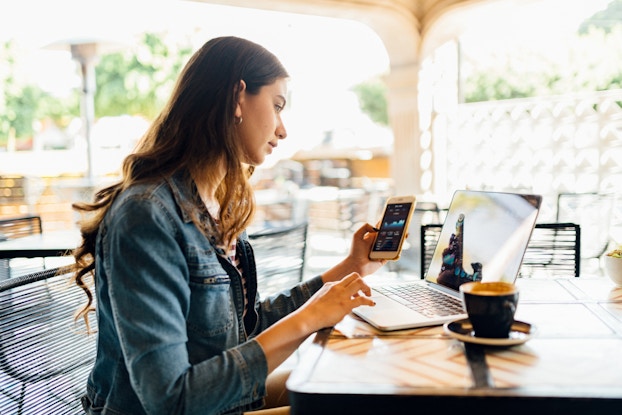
column 392, row 228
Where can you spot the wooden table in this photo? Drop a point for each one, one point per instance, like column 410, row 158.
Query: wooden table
column 572, row 363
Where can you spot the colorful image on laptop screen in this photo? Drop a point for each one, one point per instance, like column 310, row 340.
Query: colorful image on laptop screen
column 483, row 238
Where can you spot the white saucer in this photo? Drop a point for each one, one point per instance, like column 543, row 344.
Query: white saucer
column 463, row 330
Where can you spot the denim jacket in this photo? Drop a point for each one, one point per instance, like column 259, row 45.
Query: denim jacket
column 171, row 336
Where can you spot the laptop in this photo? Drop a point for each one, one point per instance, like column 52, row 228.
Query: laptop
column 483, row 238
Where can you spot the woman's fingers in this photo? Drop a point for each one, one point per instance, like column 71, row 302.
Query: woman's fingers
column 355, row 285
column 338, row 298
column 360, row 300
column 364, row 229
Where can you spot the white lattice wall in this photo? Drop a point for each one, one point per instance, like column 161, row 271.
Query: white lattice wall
column 544, row 145
column 563, row 143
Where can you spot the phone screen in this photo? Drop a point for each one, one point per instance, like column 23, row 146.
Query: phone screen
column 392, row 227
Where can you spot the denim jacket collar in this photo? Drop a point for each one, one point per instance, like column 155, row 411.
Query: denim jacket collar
column 184, row 194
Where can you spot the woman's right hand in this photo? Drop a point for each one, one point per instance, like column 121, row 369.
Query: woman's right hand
column 328, row 306
column 334, row 301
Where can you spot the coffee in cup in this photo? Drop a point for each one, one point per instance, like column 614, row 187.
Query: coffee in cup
column 490, row 307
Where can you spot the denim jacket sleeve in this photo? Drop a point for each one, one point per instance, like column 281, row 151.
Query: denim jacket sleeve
column 275, row 307
column 148, row 258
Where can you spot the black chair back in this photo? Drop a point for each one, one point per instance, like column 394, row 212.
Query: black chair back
column 45, row 357
column 279, row 257
column 11, row 228
column 554, row 249
column 430, row 233
column 17, row 227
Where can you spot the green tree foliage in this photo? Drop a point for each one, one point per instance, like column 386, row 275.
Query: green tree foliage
column 135, row 82
column 484, row 86
column 604, row 20
column 592, row 64
column 138, row 82
column 373, row 100
column 21, row 103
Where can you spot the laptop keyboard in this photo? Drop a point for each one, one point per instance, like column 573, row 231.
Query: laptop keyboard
column 422, row 299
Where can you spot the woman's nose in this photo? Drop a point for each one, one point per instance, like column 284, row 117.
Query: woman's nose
column 281, row 132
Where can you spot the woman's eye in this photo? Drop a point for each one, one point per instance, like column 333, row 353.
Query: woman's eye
column 278, row 108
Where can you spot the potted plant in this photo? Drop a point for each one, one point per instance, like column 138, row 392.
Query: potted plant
column 613, row 265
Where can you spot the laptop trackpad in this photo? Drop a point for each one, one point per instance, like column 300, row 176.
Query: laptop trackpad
column 389, row 315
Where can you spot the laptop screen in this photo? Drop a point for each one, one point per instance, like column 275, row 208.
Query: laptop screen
column 484, row 237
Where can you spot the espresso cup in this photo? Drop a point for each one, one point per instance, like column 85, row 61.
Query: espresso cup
column 490, row 307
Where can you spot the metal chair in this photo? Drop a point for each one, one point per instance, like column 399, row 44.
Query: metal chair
column 11, row 228
column 553, row 249
column 430, row 233
column 425, row 212
column 279, row 257
column 45, row 357
column 339, row 211
column 593, row 212
column 17, row 227
column 333, row 214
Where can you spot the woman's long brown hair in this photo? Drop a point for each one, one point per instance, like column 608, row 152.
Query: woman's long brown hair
column 195, row 130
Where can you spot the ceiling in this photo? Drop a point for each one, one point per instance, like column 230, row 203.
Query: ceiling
column 408, row 28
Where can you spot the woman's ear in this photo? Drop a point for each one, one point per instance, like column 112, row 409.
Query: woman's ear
column 240, row 93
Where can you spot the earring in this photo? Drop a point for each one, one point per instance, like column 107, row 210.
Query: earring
column 238, row 120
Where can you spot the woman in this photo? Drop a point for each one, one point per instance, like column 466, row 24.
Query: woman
column 181, row 329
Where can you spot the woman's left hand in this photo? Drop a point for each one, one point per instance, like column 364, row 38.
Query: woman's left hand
column 362, row 241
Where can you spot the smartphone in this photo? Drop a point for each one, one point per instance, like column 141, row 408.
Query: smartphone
column 393, row 228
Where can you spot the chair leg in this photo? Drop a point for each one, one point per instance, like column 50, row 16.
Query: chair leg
column 22, row 397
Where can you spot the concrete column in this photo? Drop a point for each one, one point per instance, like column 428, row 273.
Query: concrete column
column 402, row 96
column 406, row 171
column 86, row 55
